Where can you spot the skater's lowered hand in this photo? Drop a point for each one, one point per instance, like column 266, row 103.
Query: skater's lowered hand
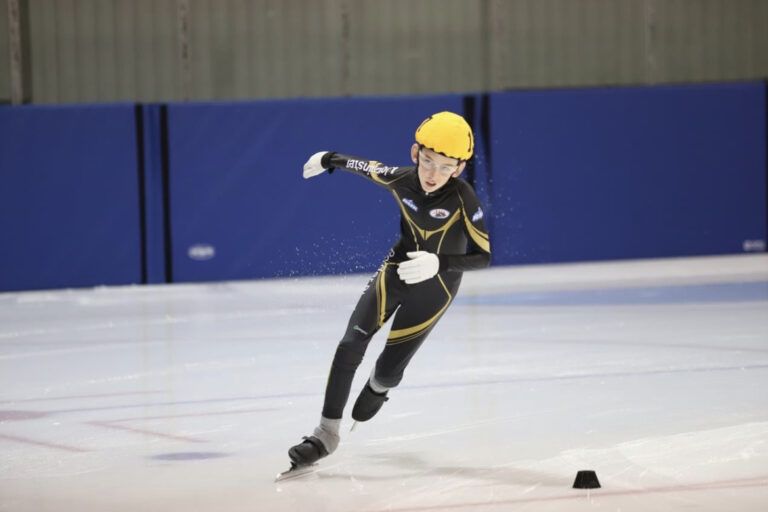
column 423, row 265
column 314, row 165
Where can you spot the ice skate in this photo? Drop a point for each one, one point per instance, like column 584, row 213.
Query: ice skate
column 309, row 451
column 304, row 457
column 295, row 472
column 368, row 403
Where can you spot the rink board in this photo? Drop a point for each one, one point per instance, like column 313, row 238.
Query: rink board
column 645, row 172
column 118, row 194
column 69, row 200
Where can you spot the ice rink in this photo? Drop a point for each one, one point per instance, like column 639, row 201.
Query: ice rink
column 186, row 397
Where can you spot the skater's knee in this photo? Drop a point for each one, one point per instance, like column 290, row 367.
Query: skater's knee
column 348, row 356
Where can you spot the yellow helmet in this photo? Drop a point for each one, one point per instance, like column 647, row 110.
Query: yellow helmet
column 448, row 134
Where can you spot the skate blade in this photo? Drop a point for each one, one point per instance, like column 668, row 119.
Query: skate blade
column 295, row 472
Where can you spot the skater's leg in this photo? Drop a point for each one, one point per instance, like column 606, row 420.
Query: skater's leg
column 387, row 374
column 421, row 308
column 375, row 306
column 373, row 309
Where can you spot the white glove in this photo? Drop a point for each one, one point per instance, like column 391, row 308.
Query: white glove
column 422, row 266
column 314, row 165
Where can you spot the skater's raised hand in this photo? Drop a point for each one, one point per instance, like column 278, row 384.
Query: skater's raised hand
column 423, row 265
column 314, row 165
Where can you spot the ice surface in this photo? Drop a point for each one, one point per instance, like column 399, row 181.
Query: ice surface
column 186, row 397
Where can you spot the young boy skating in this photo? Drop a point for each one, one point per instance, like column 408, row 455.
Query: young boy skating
column 417, row 282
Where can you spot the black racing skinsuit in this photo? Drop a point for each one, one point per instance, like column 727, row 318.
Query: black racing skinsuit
column 440, row 222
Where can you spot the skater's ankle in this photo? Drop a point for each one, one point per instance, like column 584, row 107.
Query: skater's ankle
column 330, row 424
column 328, row 433
column 377, row 387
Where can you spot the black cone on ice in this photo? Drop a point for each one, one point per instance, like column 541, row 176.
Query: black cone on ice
column 586, row 479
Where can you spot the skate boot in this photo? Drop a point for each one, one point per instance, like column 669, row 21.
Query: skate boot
column 368, row 403
column 307, row 452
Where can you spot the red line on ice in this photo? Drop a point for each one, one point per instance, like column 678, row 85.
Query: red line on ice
column 74, row 397
column 27, row 440
column 196, row 414
column 106, row 424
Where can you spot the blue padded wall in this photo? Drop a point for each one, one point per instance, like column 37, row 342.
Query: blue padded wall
column 69, row 208
column 649, row 172
column 240, row 207
column 217, row 193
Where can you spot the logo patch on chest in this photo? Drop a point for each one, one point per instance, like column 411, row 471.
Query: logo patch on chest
column 410, row 204
column 439, row 213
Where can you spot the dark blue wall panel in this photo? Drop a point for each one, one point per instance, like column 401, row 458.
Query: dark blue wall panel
column 627, row 173
column 240, row 207
column 69, row 210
